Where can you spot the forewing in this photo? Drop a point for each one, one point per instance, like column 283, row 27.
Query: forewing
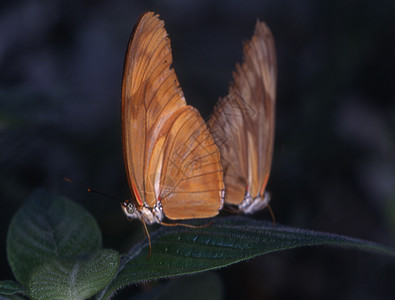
column 150, row 96
column 243, row 122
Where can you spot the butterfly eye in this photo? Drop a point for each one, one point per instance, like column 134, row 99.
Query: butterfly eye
column 131, row 208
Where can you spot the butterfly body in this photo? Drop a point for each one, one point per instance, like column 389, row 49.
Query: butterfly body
column 177, row 166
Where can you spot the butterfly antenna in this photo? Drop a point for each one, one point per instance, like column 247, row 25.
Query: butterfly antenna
column 91, row 190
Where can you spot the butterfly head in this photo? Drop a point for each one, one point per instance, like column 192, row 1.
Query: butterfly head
column 145, row 213
column 130, row 210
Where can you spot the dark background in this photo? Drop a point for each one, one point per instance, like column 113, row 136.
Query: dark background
column 334, row 161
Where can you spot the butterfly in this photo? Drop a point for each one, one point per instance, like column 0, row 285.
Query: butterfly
column 172, row 162
column 243, row 124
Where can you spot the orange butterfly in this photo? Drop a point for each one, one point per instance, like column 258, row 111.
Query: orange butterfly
column 243, row 124
column 172, row 162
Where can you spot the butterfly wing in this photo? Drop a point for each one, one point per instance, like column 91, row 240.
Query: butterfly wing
column 243, row 122
column 163, row 138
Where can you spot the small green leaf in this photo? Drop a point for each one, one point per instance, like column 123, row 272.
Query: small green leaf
column 9, row 287
column 180, row 250
column 73, row 278
column 45, row 227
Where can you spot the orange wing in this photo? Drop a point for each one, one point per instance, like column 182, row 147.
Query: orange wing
column 243, row 122
column 170, row 155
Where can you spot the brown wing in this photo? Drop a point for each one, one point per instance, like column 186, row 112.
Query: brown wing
column 243, row 122
column 155, row 126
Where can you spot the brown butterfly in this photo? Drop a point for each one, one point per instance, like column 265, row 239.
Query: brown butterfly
column 172, row 162
column 243, row 124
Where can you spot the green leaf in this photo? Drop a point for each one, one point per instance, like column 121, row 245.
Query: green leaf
column 207, row 286
column 73, row 278
column 180, row 250
column 12, row 297
column 9, row 287
column 45, row 227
